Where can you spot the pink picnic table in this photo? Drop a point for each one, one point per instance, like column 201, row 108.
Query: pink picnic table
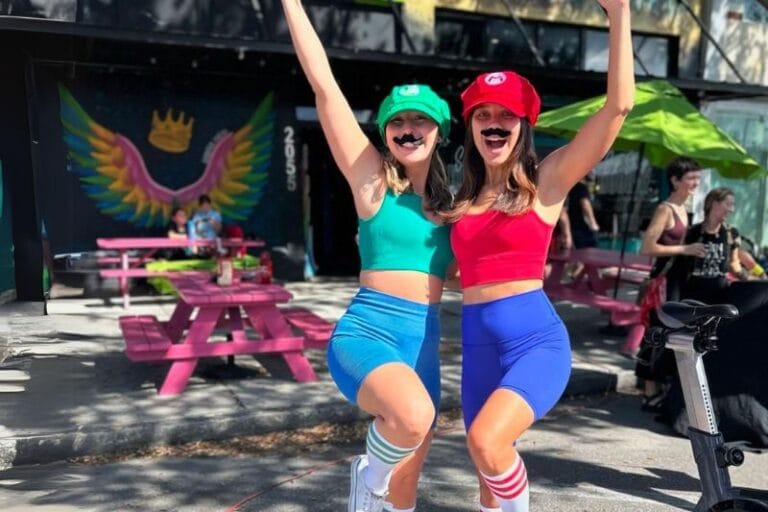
column 203, row 306
column 150, row 245
column 594, row 261
column 592, row 289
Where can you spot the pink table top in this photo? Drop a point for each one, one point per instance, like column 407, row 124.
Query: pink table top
column 197, row 290
column 160, row 242
column 605, row 258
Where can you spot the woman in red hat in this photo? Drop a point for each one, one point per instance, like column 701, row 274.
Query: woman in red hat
column 516, row 353
column 383, row 354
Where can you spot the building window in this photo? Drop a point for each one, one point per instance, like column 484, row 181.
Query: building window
column 651, row 53
column 748, row 129
column 506, row 43
column 59, row 10
column 459, row 36
column 186, row 16
column 747, row 10
column 560, row 46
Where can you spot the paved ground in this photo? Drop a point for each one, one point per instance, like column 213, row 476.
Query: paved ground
column 69, row 390
column 597, row 454
column 66, row 389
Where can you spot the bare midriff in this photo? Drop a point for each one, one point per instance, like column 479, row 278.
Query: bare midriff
column 406, row 284
column 481, row 293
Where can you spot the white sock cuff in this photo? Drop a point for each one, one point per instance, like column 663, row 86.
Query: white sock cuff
column 488, row 509
column 388, row 507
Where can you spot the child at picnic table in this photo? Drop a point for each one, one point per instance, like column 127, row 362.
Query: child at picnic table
column 177, row 229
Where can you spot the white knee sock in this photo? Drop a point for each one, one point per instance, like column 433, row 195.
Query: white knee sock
column 388, row 507
column 383, row 456
column 511, row 487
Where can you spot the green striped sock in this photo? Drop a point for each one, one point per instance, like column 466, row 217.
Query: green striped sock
column 383, row 456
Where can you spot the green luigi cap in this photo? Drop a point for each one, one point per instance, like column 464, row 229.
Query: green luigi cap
column 415, row 97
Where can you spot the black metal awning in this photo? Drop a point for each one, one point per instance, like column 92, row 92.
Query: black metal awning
column 452, row 74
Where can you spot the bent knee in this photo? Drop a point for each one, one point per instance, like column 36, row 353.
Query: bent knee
column 484, row 447
column 413, row 420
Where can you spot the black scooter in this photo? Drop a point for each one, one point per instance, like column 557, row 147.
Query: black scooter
column 689, row 329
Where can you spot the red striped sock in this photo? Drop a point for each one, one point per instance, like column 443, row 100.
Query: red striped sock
column 511, row 487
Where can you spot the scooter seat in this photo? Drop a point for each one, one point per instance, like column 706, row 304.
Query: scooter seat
column 678, row 314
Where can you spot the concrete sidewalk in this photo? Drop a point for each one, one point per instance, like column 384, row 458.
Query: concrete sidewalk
column 599, row 454
column 67, row 389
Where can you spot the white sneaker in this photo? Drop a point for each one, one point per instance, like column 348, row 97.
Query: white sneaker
column 361, row 498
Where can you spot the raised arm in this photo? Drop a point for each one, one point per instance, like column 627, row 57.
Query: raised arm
column 563, row 168
column 358, row 159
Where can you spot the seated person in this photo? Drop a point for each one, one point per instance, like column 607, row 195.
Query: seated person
column 763, row 259
column 235, row 232
column 750, row 264
column 178, row 229
column 205, row 224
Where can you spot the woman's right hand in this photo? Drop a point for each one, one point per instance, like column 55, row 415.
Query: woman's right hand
column 697, row 250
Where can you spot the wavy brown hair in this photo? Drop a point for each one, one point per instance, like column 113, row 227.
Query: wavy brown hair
column 521, row 170
column 716, row 195
column 437, row 195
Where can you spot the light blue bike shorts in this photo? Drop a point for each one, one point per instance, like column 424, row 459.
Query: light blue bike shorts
column 378, row 329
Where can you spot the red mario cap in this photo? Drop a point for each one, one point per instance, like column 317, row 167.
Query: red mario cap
column 505, row 88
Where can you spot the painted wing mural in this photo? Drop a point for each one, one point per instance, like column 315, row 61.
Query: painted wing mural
column 113, row 173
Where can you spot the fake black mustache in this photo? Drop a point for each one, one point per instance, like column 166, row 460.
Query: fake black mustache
column 408, row 137
column 496, row 131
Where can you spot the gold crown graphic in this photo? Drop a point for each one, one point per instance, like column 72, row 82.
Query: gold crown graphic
column 169, row 134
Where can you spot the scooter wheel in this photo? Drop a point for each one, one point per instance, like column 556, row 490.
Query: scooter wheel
column 743, row 504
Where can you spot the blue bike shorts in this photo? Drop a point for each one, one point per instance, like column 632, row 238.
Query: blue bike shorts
column 378, row 329
column 517, row 343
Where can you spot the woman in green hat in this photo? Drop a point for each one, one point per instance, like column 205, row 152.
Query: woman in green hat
column 383, row 354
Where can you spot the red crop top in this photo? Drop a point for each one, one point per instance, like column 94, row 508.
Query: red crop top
column 492, row 247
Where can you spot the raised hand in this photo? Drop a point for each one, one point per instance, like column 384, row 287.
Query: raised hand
column 611, row 6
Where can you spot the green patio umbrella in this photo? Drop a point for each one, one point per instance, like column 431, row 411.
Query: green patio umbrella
column 662, row 126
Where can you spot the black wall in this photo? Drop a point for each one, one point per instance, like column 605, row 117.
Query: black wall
column 15, row 138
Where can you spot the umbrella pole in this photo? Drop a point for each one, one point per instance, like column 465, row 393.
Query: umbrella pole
column 629, row 217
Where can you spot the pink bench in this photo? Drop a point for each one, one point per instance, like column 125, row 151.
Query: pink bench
column 145, row 338
column 115, row 260
column 117, row 273
column 622, row 313
column 317, row 330
column 204, row 307
column 627, row 275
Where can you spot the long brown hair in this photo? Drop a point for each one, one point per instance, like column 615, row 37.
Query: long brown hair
column 521, row 170
column 716, row 195
column 437, row 195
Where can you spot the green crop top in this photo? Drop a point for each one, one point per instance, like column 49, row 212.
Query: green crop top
column 400, row 237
